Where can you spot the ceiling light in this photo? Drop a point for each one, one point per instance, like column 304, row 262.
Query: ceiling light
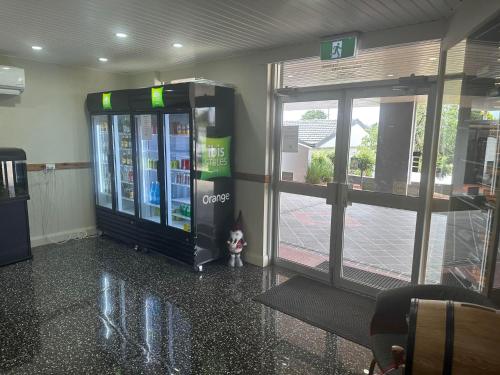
column 6, row 68
column 432, row 58
column 177, row 45
column 121, row 35
column 390, row 75
column 36, row 48
column 103, row 59
column 289, row 76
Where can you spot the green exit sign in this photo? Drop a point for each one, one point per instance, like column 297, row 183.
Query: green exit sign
column 338, row 48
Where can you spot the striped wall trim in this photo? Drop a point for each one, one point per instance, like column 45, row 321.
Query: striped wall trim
column 265, row 179
column 86, row 164
column 60, row 166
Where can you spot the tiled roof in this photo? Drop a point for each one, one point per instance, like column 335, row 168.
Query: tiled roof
column 315, row 132
column 311, row 132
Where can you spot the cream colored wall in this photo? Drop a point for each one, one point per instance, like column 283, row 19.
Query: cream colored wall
column 49, row 122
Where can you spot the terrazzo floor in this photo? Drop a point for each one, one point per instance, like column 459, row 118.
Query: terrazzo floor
column 95, row 306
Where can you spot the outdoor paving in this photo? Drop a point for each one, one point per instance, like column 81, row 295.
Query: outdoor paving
column 377, row 239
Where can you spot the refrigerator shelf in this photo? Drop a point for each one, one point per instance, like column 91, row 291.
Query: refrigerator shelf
column 180, row 170
column 184, row 185
column 152, row 204
column 182, row 200
column 181, row 216
column 128, row 199
column 127, row 183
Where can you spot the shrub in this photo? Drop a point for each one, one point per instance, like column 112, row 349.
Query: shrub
column 320, row 170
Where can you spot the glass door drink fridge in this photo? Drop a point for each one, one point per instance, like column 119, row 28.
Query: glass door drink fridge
column 163, row 168
column 178, row 163
column 148, row 162
column 102, row 161
column 124, row 165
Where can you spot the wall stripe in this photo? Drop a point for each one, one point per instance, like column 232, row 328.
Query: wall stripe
column 265, row 179
column 59, row 166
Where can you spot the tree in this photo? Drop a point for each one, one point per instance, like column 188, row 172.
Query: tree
column 364, row 161
column 370, row 139
column 314, row 114
column 447, row 139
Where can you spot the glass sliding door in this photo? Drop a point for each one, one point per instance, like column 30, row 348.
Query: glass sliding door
column 307, row 133
column 148, row 163
column 178, row 170
column 102, row 161
column 384, row 166
column 124, row 165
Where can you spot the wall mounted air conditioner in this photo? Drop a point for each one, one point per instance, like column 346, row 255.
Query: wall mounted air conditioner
column 11, row 80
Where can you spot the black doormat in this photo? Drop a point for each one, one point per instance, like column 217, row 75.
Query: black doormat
column 345, row 314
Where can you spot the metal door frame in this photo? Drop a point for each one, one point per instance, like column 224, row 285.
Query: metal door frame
column 346, row 196
column 279, row 186
column 337, row 193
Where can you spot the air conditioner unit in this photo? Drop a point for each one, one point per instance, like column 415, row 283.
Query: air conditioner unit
column 11, row 80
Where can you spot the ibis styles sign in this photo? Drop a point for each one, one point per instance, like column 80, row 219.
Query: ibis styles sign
column 215, row 158
column 338, row 48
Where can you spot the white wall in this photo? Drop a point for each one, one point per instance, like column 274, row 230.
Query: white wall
column 49, row 122
column 296, row 162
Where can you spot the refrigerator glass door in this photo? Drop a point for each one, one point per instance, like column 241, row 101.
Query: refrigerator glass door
column 124, row 166
column 178, row 165
column 102, row 161
column 148, row 160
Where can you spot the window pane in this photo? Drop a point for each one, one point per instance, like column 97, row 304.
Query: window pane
column 378, row 245
column 386, row 144
column 304, row 230
column 466, row 180
column 308, row 141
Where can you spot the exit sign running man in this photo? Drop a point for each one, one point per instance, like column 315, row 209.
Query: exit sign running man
column 338, row 48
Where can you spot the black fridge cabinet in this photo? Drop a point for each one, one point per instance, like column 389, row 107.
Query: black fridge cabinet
column 162, row 162
column 15, row 244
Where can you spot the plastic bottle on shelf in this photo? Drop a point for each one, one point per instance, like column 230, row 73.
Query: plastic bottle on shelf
column 151, row 192
column 157, row 192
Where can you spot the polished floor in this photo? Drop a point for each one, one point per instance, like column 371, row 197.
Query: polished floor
column 96, row 307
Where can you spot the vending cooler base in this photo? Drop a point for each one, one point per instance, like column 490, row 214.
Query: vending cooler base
column 14, row 232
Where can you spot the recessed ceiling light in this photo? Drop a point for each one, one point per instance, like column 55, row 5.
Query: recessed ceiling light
column 36, row 48
column 103, row 59
column 432, row 58
column 177, row 45
column 290, row 76
column 121, row 35
column 6, row 68
column 390, row 75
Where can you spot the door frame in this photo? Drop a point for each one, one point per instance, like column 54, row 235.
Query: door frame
column 279, row 186
column 336, row 193
column 345, row 196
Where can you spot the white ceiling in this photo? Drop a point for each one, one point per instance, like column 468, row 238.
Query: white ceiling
column 77, row 32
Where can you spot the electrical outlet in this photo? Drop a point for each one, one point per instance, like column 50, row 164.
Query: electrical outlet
column 50, row 167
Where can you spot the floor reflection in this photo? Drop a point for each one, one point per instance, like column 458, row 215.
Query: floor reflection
column 94, row 306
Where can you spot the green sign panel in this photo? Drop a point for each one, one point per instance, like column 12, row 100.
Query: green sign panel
column 157, row 97
column 338, row 48
column 215, row 158
column 106, row 100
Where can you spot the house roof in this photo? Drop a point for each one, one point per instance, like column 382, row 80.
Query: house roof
column 316, row 132
column 311, row 132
